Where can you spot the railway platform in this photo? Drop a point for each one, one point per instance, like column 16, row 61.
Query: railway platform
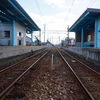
column 88, row 53
column 9, row 53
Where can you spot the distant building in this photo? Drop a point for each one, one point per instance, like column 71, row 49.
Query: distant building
column 49, row 44
column 62, row 42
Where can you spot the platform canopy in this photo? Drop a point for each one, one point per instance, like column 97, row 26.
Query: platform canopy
column 86, row 20
column 11, row 9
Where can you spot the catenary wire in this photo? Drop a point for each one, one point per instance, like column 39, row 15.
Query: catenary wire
column 81, row 10
column 39, row 10
column 76, row 9
column 69, row 11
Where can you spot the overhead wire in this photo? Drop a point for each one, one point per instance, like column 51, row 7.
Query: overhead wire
column 86, row 7
column 69, row 11
column 76, row 9
column 90, row 3
column 98, row 4
column 93, row 2
column 40, row 10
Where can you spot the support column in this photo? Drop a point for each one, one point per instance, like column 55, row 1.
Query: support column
column 75, row 38
column 44, row 33
column 96, row 33
column 25, row 36
column 31, row 38
column 82, row 37
column 13, row 32
column 40, row 36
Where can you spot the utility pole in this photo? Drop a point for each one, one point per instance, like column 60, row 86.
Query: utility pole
column 52, row 40
column 44, row 33
column 40, row 37
column 59, row 40
column 68, row 34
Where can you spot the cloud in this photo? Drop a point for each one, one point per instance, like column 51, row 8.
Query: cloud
column 37, row 18
column 52, row 22
column 66, row 14
column 77, row 2
column 59, row 3
column 70, row 6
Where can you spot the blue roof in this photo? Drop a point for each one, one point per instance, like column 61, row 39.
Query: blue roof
column 86, row 20
column 11, row 9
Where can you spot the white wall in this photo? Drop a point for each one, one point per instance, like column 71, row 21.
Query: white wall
column 8, row 51
column 98, row 38
column 19, row 27
column 5, row 27
column 49, row 45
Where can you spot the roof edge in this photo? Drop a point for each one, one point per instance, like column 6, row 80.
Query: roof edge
column 85, row 13
column 24, row 12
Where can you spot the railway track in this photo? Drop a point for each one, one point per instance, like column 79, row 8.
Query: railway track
column 89, row 79
column 4, row 69
column 10, row 75
column 69, row 80
column 42, row 83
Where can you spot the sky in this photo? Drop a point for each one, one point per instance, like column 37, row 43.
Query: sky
column 56, row 16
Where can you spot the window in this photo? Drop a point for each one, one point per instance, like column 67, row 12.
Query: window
column 7, row 34
column 89, row 38
column 4, row 34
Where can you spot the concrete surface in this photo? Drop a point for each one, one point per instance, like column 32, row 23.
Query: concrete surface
column 9, row 51
column 89, row 53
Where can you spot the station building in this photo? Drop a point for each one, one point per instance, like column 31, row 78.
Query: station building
column 15, row 23
column 87, row 29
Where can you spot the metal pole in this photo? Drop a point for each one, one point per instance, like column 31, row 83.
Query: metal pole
column 44, row 33
column 59, row 40
column 52, row 63
column 52, row 40
column 31, row 38
column 68, row 33
column 40, row 37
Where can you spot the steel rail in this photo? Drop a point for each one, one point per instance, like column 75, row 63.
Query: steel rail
column 83, row 64
column 80, row 82
column 3, row 93
column 11, row 66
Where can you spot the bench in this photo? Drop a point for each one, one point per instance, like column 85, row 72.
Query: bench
column 89, row 44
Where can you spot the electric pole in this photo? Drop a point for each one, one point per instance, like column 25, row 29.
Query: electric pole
column 40, row 37
column 68, row 34
column 59, row 40
column 44, row 33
